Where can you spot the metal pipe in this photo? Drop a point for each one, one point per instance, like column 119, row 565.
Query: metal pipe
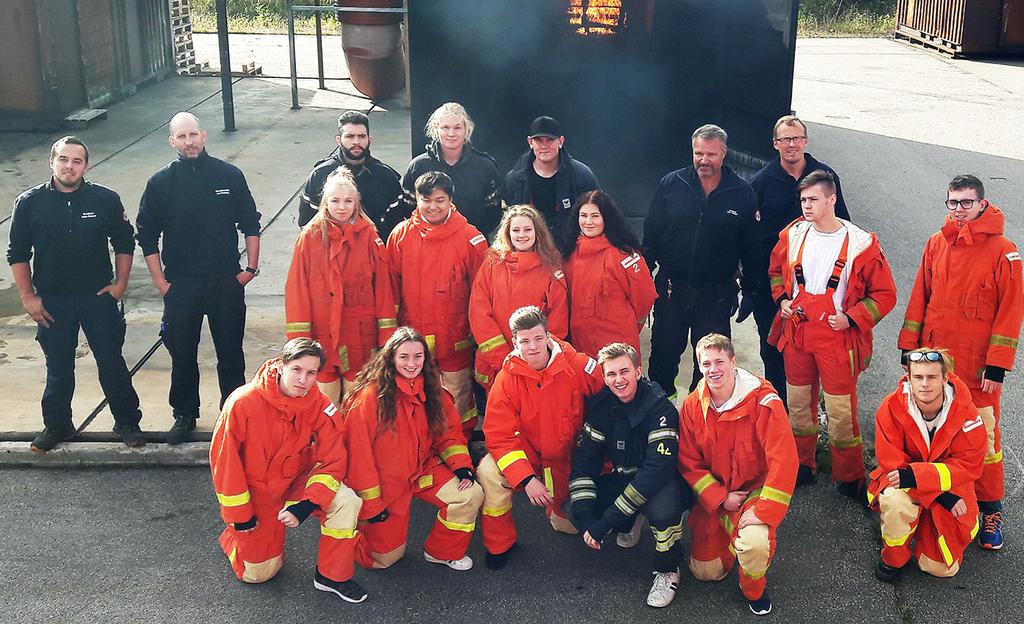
column 319, row 48
column 291, row 56
column 335, row 9
column 227, row 97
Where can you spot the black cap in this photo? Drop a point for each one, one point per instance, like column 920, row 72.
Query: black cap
column 545, row 127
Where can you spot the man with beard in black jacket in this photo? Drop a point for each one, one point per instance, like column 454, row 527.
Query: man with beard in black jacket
column 547, row 177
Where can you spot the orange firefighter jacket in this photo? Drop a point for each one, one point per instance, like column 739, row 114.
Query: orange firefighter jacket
column 951, row 462
column 968, row 297
column 610, row 295
column 265, row 440
column 747, row 444
column 388, row 463
column 533, row 417
column 870, row 290
column 502, row 286
column 340, row 293
column 432, row 271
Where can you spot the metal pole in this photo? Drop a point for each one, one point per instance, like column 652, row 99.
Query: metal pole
column 319, row 48
column 291, row 57
column 225, row 66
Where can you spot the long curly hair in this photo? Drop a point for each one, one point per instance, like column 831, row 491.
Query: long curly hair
column 616, row 229
column 380, row 371
column 340, row 178
column 544, row 244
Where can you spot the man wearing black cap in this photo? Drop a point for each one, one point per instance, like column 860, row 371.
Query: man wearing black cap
column 547, row 177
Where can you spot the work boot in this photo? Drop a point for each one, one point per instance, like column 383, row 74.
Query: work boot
column 51, row 437
column 460, row 565
column 131, row 435
column 349, row 591
column 663, row 591
column 805, row 476
column 991, row 535
column 761, row 606
column 632, row 538
column 855, row 490
column 180, row 430
column 886, row 573
column 497, row 561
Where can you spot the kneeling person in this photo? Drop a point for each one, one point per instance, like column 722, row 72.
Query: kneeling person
column 632, row 424
column 277, row 458
column 736, row 450
column 930, row 443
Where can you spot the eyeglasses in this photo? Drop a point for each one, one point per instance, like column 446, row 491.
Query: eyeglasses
column 930, row 356
column 790, row 140
column 966, row 204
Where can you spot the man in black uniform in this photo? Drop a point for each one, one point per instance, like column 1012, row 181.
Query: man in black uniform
column 547, row 177
column 701, row 226
column 631, row 423
column 67, row 223
column 380, row 191
column 778, row 200
column 195, row 203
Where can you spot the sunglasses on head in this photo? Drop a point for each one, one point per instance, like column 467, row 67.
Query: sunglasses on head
column 929, row 356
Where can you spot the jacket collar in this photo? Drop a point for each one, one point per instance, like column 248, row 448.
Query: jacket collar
column 989, row 223
column 746, row 384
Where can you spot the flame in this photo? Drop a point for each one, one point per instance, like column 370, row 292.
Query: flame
column 602, row 17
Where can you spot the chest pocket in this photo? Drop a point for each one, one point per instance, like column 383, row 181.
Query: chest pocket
column 746, row 459
column 296, row 464
column 89, row 230
column 981, row 303
column 453, row 289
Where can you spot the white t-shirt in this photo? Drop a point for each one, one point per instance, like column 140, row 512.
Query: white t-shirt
column 820, row 254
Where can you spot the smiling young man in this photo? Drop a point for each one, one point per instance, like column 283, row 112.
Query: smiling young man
column 534, row 413
column 833, row 284
column 969, row 298
column 930, row 443
column 736, row 451
column 66, row 228
column 632, row 425
column 277, row 457
column 433, row 257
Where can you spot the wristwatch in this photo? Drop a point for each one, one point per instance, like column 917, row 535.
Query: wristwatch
column 255, row 272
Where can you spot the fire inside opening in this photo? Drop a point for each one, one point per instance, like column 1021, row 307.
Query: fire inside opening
column 597, row 17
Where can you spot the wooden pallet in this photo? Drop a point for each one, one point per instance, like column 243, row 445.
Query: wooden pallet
column 928, row 41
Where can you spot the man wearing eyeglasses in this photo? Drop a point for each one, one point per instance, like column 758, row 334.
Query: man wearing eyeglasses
column 930, row 441
column 833, row 284
column 968, row 298
column 778, row 201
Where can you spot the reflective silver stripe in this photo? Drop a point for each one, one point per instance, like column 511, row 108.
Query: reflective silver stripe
column 594, row 434
column 623, row 505
column 582, row 483
column 662, row 434
column 587, row 495
column 634, row 496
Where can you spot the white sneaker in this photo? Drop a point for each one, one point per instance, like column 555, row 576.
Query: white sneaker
column 458, row 564
column 631, row 539
column 664, row 589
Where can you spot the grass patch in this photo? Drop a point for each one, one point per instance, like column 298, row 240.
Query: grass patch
column 250, row 16
column 853, row 24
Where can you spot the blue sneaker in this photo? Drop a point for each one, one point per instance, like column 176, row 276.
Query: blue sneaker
column 761, row 606
column 991, row 535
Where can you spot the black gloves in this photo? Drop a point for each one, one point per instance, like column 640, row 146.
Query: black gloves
column 381, row 517
column 301, row 510
column 248, row 525
column 464, row 473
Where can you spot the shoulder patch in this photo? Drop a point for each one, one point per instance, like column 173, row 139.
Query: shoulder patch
column 591, row 366
column 330, row 409
column 768, row 398
column 630, row 261
column 476, row 240
column 974, row 424
column 379, row 242
column 559, row 275
column 1014, row 255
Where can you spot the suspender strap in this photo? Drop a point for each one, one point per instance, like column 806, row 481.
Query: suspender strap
column 837, row 270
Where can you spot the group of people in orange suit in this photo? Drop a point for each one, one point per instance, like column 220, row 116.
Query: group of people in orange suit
column 372, row 403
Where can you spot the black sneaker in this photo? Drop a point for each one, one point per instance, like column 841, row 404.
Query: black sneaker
column 856, row 490
column 805, row 476
column 349, row 591
column 761, row 606
column 51, row 437
column 497, row 561
column 180, row 430
column 886, row 573
column 131, row 435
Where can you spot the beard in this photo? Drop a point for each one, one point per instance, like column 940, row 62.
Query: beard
column 349, row 156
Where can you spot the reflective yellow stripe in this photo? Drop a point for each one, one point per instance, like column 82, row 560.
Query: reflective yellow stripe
column 625, row 507
column 454, row 449
column 290, row 503
column 945, row 479
column 634, row 496
column 236, row 500
column 913, row 326
column 946, row 555
column 298, row 327
column 469, row 415
column 343, row 358
column 549, row 482
column 727, row 523
column 845, row 444
column 664, row 540
column 337, row 533
column 387, row 323
column 369, row 493
column 234, row 553
column 492, row 343
column 456, row 526
column 494, row 512
column 778, row 281
column 425, row 481
column 481, row 378
column 510, row 457
column 327, row 480
column 871, row 497
column 770, row 493
column 974, row 531
column 872, row 308
column 1002, row 341
column 704, row 483
column 805, row 431
column 994, row 459
column 464, row 344
column 431, row 342
column 897, row 541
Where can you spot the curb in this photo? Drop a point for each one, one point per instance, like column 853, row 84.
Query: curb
column 92, row 454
